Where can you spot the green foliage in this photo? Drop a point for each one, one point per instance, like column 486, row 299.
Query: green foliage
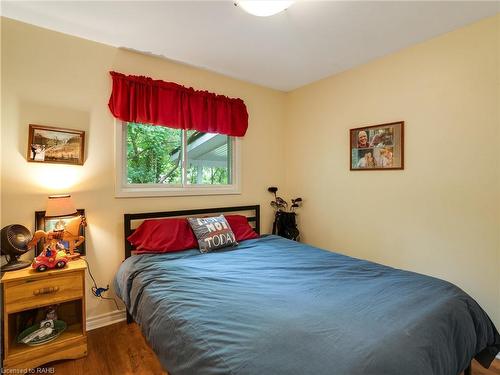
column 210, row 175
column 149, row 154
column 154, row 156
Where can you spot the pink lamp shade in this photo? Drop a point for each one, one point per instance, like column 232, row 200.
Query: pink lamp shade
column 60, row 205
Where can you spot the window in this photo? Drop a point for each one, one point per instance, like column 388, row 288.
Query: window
column 160, row 161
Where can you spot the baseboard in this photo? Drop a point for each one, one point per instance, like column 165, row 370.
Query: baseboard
column 106, row 319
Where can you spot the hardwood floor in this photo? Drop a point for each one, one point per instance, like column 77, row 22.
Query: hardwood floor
column 493, row 370
column 120, row 349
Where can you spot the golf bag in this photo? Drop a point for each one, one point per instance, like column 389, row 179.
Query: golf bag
column 285, row 225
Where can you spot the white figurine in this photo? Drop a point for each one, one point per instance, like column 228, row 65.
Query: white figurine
column 46, row 329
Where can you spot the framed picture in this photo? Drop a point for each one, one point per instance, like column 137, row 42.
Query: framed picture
column 377, row 147
column 49, row 223
column 47, row 144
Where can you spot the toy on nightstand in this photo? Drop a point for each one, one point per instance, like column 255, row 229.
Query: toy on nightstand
column 70, row 234
column 51, row 257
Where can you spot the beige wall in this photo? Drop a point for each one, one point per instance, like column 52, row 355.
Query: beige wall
column 441, row 215
column 54, row 79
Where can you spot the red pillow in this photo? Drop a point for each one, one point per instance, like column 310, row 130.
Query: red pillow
column 240, row 227
column 163, row 236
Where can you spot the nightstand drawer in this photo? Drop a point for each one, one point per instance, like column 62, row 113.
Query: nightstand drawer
column 26, row 294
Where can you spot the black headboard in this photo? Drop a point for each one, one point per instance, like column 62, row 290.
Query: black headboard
column 201, row 211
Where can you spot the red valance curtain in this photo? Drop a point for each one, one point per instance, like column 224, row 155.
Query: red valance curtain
column 144, row 100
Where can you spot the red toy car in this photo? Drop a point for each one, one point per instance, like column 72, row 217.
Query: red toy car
column 51, row 257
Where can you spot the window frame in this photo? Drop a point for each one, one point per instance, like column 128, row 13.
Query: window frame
column 125, row 190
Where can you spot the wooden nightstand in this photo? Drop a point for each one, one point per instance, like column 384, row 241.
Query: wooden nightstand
column 27, row 289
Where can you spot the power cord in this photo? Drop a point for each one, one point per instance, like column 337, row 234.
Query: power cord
column 96, row 291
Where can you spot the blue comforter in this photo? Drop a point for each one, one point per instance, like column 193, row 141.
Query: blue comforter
column 272, row 306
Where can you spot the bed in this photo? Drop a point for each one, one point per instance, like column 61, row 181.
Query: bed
column 274, row 306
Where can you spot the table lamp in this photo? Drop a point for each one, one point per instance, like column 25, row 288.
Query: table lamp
column 60, row 205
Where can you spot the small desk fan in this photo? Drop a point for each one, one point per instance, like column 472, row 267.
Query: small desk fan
column 14, row 243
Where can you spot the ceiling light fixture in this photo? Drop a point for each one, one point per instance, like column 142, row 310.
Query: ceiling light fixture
column 263, row 8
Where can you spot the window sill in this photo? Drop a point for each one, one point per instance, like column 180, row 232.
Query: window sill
column 150, row 192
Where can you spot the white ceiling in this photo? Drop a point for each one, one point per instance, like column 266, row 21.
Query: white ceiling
column 307, row 42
